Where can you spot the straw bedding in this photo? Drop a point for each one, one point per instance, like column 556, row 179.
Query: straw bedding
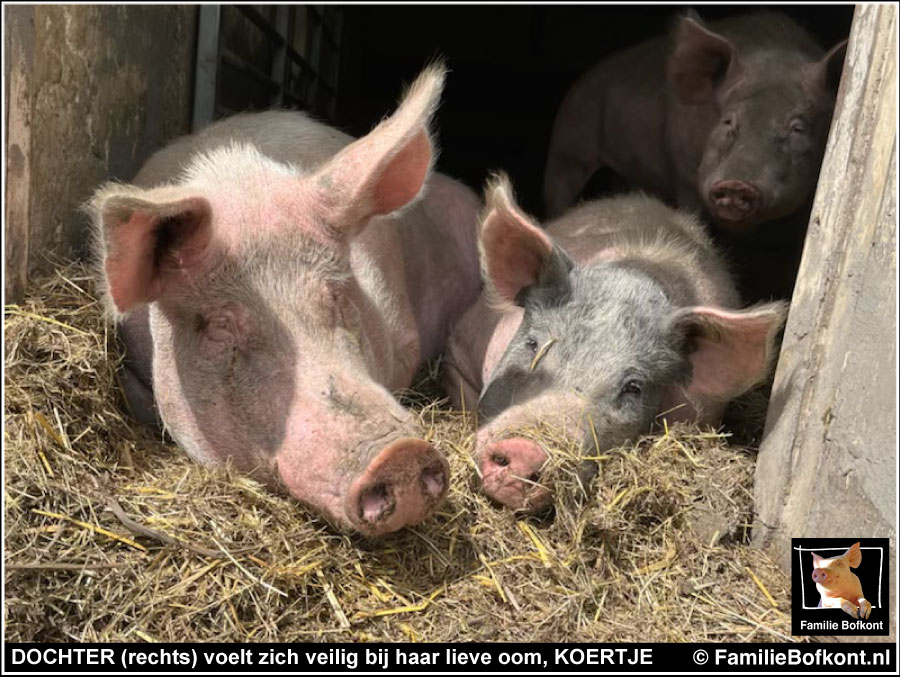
column 113, row 534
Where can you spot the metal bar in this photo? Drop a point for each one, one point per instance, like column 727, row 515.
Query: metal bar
column 315, row 60
column 207, row 65
column 298, row 58
column 319, row 16
column 238, row 63
column 339, row 29
column 258, row 20
column 280, row 64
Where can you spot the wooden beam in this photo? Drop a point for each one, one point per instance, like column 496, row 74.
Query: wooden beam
column 827, row 463
column 19, row 97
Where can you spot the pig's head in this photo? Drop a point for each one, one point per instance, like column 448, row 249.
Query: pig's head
column 774, row 107
column 599, row 353
column 267, row 352
column 832, row 573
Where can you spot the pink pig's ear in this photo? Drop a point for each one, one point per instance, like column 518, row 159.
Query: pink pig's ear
column 146, row 243
column 853, row 555
column 817, row 559
column 519, row 260
column 702, row 62
column 384, row 170
column 730, row 350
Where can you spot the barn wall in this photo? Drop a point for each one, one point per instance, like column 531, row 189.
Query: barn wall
column 91, row 92
column 827, row 464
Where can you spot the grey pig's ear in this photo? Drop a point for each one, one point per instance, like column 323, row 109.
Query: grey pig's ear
column 702, row 62
column 521, row 264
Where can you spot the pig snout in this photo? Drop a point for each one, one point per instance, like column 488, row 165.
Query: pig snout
column 399, row 487
column 820, row 576
column 511, row 474
column 734, row 200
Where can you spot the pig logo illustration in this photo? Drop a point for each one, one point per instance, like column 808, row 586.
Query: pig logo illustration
column 838, row 585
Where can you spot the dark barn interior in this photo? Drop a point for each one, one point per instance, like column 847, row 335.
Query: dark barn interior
column 510, row 68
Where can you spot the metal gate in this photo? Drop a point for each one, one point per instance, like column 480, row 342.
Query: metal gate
column 252, row 57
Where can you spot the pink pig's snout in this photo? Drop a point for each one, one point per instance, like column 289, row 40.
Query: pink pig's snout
column 820, row 576
column 511, row 474
column 399, row 487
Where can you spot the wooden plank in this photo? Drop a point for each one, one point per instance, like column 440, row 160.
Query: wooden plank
column 19, row 21
column 826, row 467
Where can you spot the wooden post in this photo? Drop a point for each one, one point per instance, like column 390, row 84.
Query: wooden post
column 19, row 97
column 827, row 463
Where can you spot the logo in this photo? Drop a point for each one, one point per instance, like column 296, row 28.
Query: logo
column 840, row 586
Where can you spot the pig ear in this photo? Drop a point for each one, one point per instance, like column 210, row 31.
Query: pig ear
column 826, row 72
column 520, row 263
column 730, row 351
column 853, row 555
column 145, row 243
column 817, row 559
column 384, row 170
column 701, row 63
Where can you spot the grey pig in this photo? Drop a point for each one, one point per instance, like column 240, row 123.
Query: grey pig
column 620, row 311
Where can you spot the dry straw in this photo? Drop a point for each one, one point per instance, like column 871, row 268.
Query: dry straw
column 113, row 534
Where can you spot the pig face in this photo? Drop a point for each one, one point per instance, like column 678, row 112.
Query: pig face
column 599, row 353
column 833, row 573
column 762, row 157
column 268, row 353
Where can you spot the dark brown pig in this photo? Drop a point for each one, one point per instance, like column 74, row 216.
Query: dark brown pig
column 620, row 312
column 277, row 280
column 729, row 117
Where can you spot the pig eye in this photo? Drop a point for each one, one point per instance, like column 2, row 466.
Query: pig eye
column 729, row 120
column 532, row 344
column 216, row 333
column 798, row 126
column 215, row 328
column 632, row 387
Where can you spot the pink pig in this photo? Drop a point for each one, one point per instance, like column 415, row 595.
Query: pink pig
column 276, row 281
column 839, row 586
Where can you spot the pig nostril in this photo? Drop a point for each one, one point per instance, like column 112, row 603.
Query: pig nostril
column 376, row 503
column 499, row 459
column 534, row 477
column 735, row 200
column 433, row 481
